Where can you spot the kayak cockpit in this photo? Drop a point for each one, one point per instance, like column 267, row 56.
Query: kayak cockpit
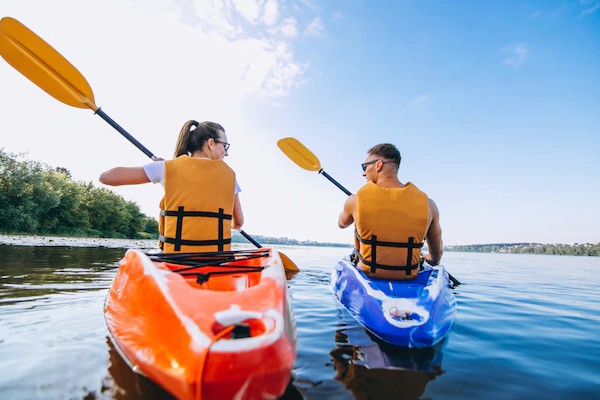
column 219, row 271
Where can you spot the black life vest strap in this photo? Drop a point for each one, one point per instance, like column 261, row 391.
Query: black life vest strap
column 373, row 242
column 184, row 242
column 182, row 213
column 177, row 241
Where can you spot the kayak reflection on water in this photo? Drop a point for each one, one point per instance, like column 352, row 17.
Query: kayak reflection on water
column 123, row 383
column 376, row 370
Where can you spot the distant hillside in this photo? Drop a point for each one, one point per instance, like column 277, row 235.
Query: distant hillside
column 238, row 238
column 586, row 249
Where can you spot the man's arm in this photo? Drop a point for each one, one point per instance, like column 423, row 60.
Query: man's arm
column 434, row 236
column 346, row 217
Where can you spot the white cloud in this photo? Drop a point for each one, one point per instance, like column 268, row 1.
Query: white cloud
column 287, row 28
column 249, row 9
column 265, row 68
column 258, row 11
column 214, row 15
column 251, row 64
column 515, row 54
column 315, row 28
column 271, row 13
column 309, row 5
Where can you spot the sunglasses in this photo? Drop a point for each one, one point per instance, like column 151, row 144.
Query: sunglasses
column 225, row 144
column 364, row 165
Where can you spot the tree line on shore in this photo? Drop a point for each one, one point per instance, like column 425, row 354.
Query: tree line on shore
column 576, row 249
column 238, row 238
column 38, row 199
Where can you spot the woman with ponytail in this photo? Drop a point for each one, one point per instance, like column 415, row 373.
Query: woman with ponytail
column 201, row 202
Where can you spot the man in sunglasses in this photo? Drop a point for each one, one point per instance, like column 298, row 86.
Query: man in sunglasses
column 392, row 220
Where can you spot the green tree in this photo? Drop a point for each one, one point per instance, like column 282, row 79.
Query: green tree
column 21, row 186
column 35, row 198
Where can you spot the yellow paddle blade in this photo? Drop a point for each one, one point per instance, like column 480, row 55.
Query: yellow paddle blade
column 40, row 63
column 288, row 264
column 299, row 154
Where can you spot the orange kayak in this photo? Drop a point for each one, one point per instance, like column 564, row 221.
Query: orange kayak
column 205, row 325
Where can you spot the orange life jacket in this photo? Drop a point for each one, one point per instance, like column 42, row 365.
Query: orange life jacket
column 390, row 228
column 197, row 207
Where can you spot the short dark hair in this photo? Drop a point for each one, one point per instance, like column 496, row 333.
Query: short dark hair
column 386, row 151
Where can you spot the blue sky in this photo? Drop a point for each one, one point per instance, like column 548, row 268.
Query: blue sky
column 493, row 105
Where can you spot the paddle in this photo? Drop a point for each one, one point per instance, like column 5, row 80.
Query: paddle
column 307, row 160
column 48, row 69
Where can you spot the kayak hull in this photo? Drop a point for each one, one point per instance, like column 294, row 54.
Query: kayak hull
column 231, row 335
column 417, row 313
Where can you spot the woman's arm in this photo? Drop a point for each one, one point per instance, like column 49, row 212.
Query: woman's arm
column 238, row 215
column 124, row 176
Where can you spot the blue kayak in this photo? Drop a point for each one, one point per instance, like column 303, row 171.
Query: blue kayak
column 415, row 313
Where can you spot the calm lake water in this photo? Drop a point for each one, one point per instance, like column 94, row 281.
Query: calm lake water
column 527, row 327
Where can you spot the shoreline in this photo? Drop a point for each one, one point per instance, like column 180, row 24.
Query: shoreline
column 76, row 241
column 71, row 241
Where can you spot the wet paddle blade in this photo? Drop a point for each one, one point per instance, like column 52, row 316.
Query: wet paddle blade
column 288, row 264
column 299, row 154
column 43, row 65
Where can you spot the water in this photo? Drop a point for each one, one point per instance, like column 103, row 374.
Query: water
column 527, row 327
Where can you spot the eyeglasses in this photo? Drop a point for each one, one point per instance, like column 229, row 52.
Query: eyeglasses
column 225, row 144
column 364, row 165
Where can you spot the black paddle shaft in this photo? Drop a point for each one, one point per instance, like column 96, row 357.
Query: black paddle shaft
column 123, row 132
column 336, row 183
column 250, row 239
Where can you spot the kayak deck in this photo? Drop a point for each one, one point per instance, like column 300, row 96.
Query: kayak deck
column 205, row 325
column 410, row 313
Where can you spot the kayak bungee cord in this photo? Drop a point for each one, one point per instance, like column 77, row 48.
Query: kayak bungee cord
column 199, row 260
column 192, row 262
column 202, row 277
